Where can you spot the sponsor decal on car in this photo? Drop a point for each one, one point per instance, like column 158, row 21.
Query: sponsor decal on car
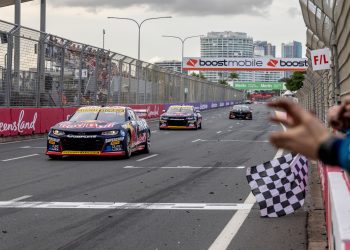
column 81, row 152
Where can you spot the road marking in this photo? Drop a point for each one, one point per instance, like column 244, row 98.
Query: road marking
column 32, row 147
column 219, row 132
column 231, row 127
column 229, row 232
column 231, row 141
column 196, row 140
column 154, row 131
column 184, row 167
column 125, row 205
column 21, row 157
column 21, row 198
column 232, row 227
column 148, row 157
column 21, row 141
column 229, row 130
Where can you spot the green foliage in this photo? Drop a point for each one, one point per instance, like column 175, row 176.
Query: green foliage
column 295, row 82
column 234, row 76
column 200, row 75
column 223, row 82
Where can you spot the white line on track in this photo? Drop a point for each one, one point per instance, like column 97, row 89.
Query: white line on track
column 32, row 147
column 229, row 232
column 219, row 132
column 196, row 140
column 12, row 142
column 231, row 141
column 21, row 157
column 231, row 127
column 21, row 198
column 184, row 167
column 154, row 131
column 148, row 157
column 124, row 205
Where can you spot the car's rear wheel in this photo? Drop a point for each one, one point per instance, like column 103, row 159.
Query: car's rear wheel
column 147, row 148
column 200, row 125
column 127, row 146
column 55, row 157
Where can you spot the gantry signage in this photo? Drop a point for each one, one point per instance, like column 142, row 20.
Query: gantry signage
column 258, row 85
column 245, row 64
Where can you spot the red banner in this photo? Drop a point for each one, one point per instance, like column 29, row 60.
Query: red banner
column 25, row 121
column 49, row 117
column 6, row 124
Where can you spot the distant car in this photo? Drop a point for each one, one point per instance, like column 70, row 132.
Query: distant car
column 248, row 102
column 241, row 112
column 99, row 131
column 181, row 117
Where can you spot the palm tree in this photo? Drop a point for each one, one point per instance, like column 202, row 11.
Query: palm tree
column 234, row 76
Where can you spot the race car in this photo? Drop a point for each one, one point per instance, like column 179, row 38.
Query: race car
column 241, row 112
column 99, row 131
column 181, row 117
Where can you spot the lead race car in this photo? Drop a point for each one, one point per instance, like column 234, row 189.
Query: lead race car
column 99, row 131
column 181, row 117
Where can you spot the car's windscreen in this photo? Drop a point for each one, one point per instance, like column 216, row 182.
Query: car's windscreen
column 180, row 109
column 103, row 115
column 240, row 108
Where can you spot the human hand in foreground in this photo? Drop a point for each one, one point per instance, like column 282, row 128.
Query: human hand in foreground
column 305, row 133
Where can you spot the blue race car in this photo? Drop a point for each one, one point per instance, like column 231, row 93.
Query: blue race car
column 99, row 131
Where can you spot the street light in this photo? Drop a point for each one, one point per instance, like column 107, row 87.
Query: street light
column 183, row 40
column 139, row 25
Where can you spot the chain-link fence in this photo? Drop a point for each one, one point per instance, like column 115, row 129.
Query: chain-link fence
column 44, row 70
column 328, row 24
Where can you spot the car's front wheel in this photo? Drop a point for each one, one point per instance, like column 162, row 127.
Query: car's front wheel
column 127, row 146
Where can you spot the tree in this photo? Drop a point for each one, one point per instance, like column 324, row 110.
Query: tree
column 295, row 82
column 234, row 76
column 223, row 82
column 200, row 75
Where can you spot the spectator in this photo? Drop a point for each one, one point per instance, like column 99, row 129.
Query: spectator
column 308, row 136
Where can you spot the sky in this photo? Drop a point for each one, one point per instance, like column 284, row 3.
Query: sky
column 275, row 21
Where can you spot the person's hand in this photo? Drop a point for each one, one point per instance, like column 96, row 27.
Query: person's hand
column 334, row 117
column 305, row 132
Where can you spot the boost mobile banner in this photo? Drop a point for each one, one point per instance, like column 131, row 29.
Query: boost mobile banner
column 245, row 64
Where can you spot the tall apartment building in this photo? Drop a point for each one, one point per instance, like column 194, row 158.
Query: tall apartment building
column 265, row 49
column 291, row 50
column 226, row 45
column 170, row 64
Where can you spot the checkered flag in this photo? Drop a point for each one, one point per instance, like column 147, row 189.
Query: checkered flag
column 279, row 185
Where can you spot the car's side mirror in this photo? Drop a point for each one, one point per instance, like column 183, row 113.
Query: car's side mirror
column 163, row 110
column 68, row 117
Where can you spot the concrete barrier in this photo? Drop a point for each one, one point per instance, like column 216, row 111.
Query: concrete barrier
column 336, row 195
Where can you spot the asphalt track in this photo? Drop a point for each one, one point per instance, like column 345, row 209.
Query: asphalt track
column 189, row 193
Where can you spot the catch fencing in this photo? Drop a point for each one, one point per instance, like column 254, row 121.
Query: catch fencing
column 43, row 70
column 328, row 26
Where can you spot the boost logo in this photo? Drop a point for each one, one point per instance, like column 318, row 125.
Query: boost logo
column 272, row 63
column 192, row 62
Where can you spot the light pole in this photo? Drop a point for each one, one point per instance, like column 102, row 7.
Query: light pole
column 103, row 38
column 139, row 25
column 183, row 40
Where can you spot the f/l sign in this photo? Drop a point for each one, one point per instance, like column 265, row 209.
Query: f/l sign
column 321, row 59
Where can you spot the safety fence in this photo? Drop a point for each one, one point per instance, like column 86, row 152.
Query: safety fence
column 328, row 26
column 43, row 70
column 28, row 121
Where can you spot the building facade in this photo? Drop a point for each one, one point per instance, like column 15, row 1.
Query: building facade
column 291, row 50
column 227, row 44
column 265, row 49
column 171, row 65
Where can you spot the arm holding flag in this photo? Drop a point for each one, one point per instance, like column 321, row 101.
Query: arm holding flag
column 308, row 136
